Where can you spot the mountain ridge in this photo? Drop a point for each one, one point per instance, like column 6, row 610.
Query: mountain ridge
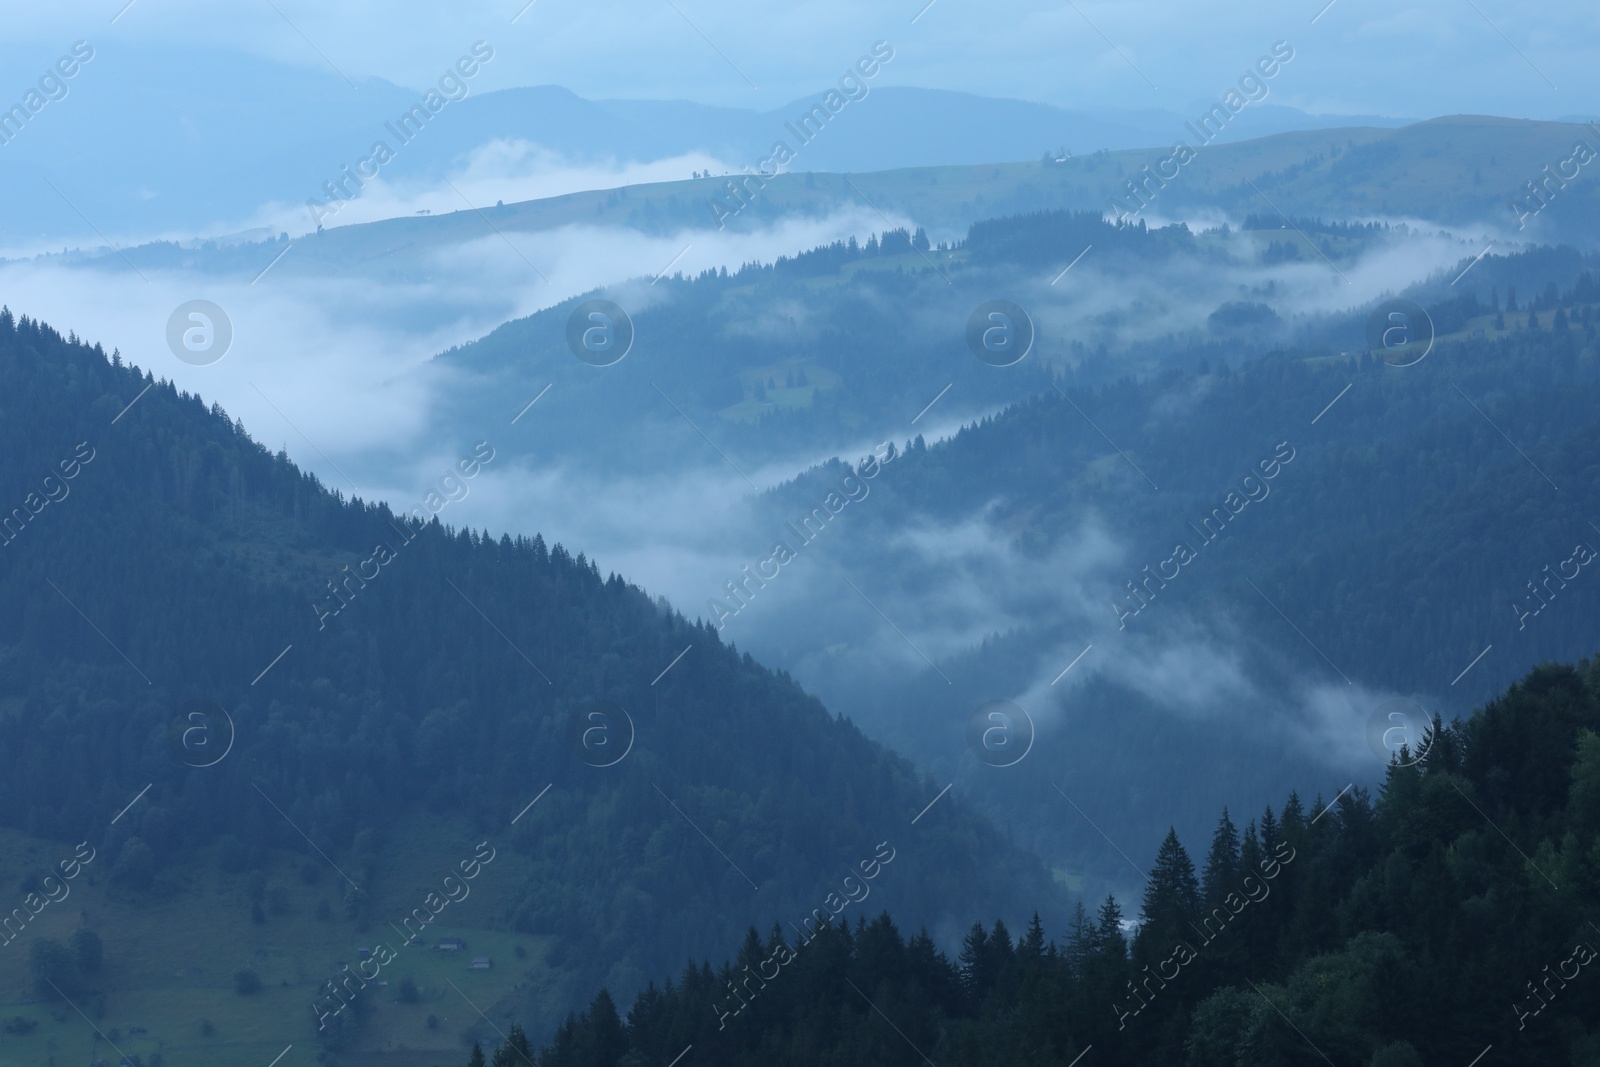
column 460, row 675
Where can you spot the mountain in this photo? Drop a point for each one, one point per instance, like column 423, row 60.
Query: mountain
column 1302, row 608
column 1004, row 552
column 1450, row 918
column 219, row 673
column 1470, row 173
column 896, row 297
column 906, row 127
column 996, row 555
column 208, row 139
column 239, row 135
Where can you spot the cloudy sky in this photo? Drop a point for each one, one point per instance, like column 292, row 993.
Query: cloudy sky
column 1352, row 57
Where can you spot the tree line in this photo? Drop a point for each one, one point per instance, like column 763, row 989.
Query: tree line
column 1445, row 915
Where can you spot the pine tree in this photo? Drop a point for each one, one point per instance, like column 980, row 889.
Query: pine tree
column 1108, row 972
column 1292, row 821
column 1250, row 853
column 1081, row 943
column 751, row 953
column 608, row 1036
column 1222, row 862
column 567, row 1048
column 476, row 1059
column 1031, row 948
column 977, row 972
column 1171, row 901
column 1002, row 962
column 516, row 1052
column 1270, row 833
column 1110, row 941
column 1000, row 947
column 1442, row 747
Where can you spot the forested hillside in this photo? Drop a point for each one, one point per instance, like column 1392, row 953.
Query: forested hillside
column 805, row 353
column 1426, row 496
column 1450, row 919
column 1459, row 171
column 1390, row 547
column 739, row 536
column 365, row 669
column 261, row 663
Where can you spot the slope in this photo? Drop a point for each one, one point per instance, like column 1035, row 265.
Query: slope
column 256, row 662
column 1354, row 533
column 1452, row 918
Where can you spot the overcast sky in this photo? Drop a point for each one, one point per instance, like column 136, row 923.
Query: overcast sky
column 1358, row 57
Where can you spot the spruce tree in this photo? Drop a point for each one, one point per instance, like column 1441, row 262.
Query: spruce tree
column 1270, row 832
column 1110, row 941
column 1081, row 945
column 751, row 953
column 1002, row 962
column 1222, row 862
column 1108, row 973
column 1292, row 821
column 516, row 1052
column 1171, row 902
column 1031, row 948
column 1441, row 746
column 1000, row 947
column 977, row 964
column 609, row 1038
column 1249, row 853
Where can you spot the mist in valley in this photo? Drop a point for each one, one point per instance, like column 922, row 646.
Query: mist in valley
column 736, row 464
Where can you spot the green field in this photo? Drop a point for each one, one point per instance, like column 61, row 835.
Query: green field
column 171, row 954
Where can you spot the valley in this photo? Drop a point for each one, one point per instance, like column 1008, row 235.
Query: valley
column 594, row 538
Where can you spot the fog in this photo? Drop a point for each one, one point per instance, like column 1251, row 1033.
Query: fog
column 509, row 170
column 903, row 424
column 348, row 362
column 339, row 371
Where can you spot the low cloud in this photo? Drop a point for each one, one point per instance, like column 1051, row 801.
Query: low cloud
column 506, row 170
column 341, row 369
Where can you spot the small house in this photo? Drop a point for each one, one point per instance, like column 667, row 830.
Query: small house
column 480, row 963
column 450, row 944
